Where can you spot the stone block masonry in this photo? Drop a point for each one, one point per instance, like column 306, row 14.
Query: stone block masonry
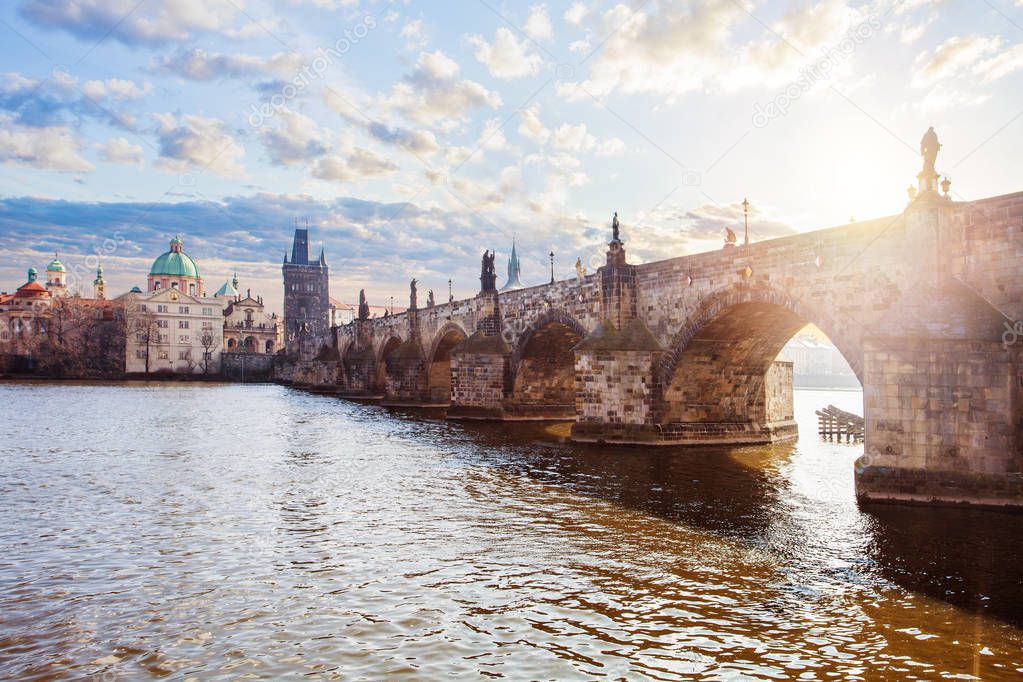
column 683, row 350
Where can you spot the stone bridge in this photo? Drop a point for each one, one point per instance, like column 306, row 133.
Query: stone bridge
column 683, row 351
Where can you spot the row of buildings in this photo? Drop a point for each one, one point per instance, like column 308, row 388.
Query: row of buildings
column 173, row 326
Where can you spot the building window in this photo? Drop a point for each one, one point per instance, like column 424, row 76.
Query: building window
column 141, row 354
column 183, row 338
column 191, row 289
column 163, row 355
column 156, row 285
column 184, row 355
column 183, row 309
column 182, row 324
column 142, row 307
column 207, row 311
column 161, row 308
column 161, row 324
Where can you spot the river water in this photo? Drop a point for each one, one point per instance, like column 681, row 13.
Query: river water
column 216, row 532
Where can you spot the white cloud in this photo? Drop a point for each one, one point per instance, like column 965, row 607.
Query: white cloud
column 1002, row 64
column 538, row 24
column 507, row 56
column 951, row 58
column 418, row 142
column 116, row 89
column 296, row 140
column 433, row 93
column 199, row 65
column 576, row 13
column 577, row 138
column 197, row 143
column 120, row 150
column 50, row 102
column 492, row 137
column 942, row 98
column 531, row 127
column 668, row 48
column 574, row 138
column 361, row 163
column 414, row 33
column 132, row 22
column 51, row 148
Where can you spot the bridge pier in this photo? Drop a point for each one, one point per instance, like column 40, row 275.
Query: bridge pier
column 616, row 391
column 406, row 378
column 360, row 365
column 480, row 364
column 943, row 423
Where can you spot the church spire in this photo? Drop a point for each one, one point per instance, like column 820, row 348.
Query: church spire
column 514, row 270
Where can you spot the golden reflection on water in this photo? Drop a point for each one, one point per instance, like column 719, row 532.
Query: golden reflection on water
column 221, row 532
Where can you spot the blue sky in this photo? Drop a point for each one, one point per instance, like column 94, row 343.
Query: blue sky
column 412, row 135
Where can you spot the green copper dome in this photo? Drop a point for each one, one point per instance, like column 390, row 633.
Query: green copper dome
column 175, row 262
column 55, row 265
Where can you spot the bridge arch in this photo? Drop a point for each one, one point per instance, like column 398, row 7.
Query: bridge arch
column 720, row 366
column 387, row 346
column 438, row 357
column 542, row 365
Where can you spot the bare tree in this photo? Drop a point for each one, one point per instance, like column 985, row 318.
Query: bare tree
column 79, row 339
column 209, row 342
column 145, row 328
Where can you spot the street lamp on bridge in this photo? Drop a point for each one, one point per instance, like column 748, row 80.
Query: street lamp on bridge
column 552, row 267
column 745, row 219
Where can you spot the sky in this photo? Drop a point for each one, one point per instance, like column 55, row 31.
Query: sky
column 410, row 135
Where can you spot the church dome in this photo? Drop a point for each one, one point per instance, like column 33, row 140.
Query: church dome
column 55, row 265
column 175, row 262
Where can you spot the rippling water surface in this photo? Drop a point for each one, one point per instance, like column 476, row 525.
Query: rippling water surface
column 257, row 532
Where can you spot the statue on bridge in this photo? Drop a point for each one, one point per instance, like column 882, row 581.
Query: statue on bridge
column 929, row 147
column 412, row 295
column 363, row 306
column 429, row 299
column 615, row 229
column 580, row 269
column 730, row 237
column 488, row 273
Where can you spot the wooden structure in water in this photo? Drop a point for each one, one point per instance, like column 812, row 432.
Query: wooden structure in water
column 835, row 424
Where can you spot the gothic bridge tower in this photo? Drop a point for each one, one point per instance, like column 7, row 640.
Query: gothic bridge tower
column 306, row 290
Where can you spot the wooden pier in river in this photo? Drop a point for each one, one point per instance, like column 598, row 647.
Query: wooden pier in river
column 835, row 424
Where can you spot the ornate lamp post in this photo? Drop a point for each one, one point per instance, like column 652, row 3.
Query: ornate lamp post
column 747, row 271
column 552, row 267
column 745, row 218
column 392, row 305
column 451, row 297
